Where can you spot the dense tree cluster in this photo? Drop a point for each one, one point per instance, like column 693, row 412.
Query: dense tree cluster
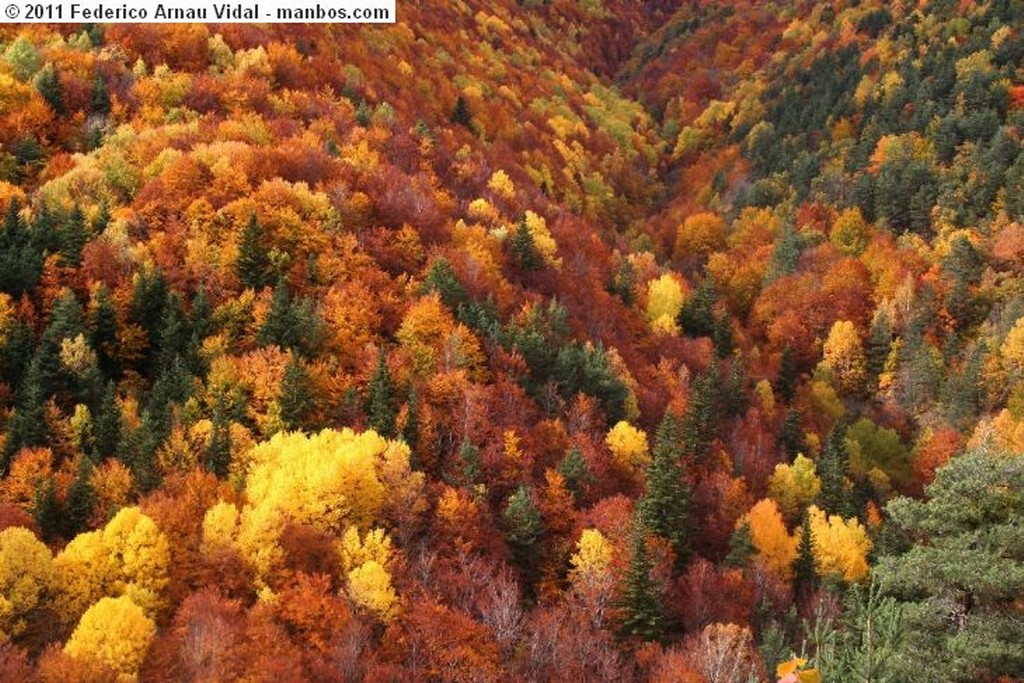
column 541, row 340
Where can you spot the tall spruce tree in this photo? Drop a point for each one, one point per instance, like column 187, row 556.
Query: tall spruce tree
column 382, row 408
column 665, row 505
column 642, row 613
column 252, row 266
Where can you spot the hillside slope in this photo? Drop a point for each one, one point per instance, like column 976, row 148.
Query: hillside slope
column 542, row 340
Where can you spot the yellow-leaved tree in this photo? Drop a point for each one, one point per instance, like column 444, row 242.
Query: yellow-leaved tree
column 27, row 578
column 794, row 486
column 844, row 357
column 130, row 557
column 775, row 547
column 330, row 481
column 116, row 632
column 628, row 446
column 664, row 300
column 369, row 586
column 592, row 559
column 841, row 546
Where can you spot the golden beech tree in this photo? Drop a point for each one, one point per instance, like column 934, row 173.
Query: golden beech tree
column 775, row 547
column 628, row 446
column 329, row 481
column 841, row 546
column 130, row 557
column 27, row 578
column 592, row 559
column 116, row 632
column 664, row 300
column 369, row 585
column 844, row 357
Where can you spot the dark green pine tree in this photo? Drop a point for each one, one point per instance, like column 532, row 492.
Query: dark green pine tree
column 28, row 426
column 467, row 469
column 700, row 422
column 102, row 324
column 382, row 408
column 523, row 249
column 804, row 569
column 879, row 344
column 172, row 339
column 100, row 95
column 73, row 235
column 574, row 468
column 81, row 498
column 281, row 327
column 741, row 546
column 642, row 613
column 102, row 220
column 791, row 436
column 252, row 266
column 722, row 337
column 788, row 375
column 734, row 394
column 108, row 424
column 46, row 509
column 218, row 452
column 665, row 505
column 834, row 497
column 21, row 260
column 294, row 401
column 697, row 316
column 524, row 530
column 47, row 82
column 461, row 114
column 441, row 278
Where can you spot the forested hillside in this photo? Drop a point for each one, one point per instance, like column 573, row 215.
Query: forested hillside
column 549, row 340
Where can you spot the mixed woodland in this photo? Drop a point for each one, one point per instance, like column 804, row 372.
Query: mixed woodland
column 536, row 340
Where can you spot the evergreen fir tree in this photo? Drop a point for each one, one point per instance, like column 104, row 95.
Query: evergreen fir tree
column 461, row 115
column 468, row 469
column 100, row 95
column 46, row 509
column 218, row 453
column 697, row 316
column 80, row 500
column 108, row 424
column 252, row 266
column 700, row 422
column 523, row 249
column 832, row 466
column 741, row 546
column 28, row 425
column 786, row 383
column 524, row 529
column 74, row 233
column 294, row 402
column 879, row 344
column 441, row 278
column 574, row 468
column 280, row 327
column 102, row 323
column 382, row 408
column 47, row 82
column 665, row 505
column 791, row 436
column 643, row 615
column 804, row 571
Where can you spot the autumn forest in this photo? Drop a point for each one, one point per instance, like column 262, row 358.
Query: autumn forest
column 521, row 340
